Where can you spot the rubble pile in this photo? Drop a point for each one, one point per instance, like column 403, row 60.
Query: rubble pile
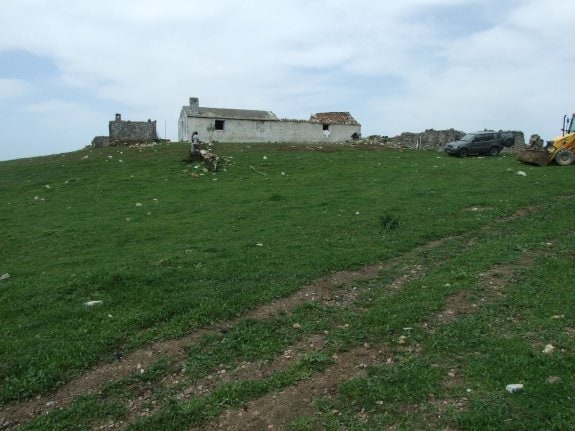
column 105, row 141
column 430, row 139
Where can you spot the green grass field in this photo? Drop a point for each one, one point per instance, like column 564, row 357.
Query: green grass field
column 477, row 280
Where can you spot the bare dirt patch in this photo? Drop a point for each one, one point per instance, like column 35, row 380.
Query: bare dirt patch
column 456, row 305
column 491, row 284
column 276, row 411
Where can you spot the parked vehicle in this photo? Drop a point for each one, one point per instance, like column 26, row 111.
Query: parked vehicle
column 561, row 149
column 486, row 142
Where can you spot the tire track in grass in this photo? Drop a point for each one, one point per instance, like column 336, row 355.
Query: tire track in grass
column 346, row 364
column 276, row 411
column 91, row 381
column 491, row 286
column 296, row 399
column 203, row 387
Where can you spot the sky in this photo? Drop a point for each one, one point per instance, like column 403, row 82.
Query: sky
column 67, row 66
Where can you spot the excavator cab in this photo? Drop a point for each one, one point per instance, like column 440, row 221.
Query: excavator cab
column 569, row 124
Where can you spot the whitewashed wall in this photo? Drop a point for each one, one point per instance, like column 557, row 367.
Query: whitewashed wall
column 252, row 131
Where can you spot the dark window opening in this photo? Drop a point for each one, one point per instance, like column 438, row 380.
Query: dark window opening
column 219, row 125
column 326, row 127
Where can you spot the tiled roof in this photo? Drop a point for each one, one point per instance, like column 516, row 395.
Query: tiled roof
column 334, row 118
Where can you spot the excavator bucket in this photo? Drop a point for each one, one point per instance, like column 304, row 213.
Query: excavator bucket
column 534, row 157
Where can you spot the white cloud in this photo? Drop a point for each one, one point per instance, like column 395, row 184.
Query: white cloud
column 395, row 65
column 13, row 88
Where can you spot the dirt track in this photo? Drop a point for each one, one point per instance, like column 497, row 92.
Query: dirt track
column 274, row 410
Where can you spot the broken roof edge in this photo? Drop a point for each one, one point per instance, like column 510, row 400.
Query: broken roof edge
column 341, row 118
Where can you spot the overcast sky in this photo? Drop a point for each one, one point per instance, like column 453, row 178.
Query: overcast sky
column 67, row 66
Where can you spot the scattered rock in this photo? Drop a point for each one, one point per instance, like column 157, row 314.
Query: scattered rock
column 549, row 348
column 4, row 276
column 514, row 387
column 92, row 303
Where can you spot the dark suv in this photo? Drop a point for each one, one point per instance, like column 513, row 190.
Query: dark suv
column 486, row 142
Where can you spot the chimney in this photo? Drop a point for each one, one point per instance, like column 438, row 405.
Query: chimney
column 118, row 117
column 195, row 105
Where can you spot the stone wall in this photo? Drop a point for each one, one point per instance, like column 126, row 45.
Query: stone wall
column 101, row 141
column 431, row 140
column 126, row 131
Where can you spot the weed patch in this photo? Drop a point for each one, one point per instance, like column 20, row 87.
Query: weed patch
column 388, row 222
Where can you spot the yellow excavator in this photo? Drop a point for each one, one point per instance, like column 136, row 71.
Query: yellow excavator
column 561, row 149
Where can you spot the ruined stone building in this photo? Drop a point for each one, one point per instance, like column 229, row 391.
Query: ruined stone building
column 127, row 132
column 251, row 126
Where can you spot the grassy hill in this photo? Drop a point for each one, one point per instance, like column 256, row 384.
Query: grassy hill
column 453, row 278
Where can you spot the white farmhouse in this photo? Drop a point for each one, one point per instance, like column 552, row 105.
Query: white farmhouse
column 251, row 126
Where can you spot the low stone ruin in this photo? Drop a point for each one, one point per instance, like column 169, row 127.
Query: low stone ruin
column 123, row 132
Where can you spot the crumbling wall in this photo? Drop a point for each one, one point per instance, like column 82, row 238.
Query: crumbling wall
column 100, row 141
column 431, row 140
column 129, row 131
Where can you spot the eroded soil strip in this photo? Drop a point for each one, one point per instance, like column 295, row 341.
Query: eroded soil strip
column 276, row 411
